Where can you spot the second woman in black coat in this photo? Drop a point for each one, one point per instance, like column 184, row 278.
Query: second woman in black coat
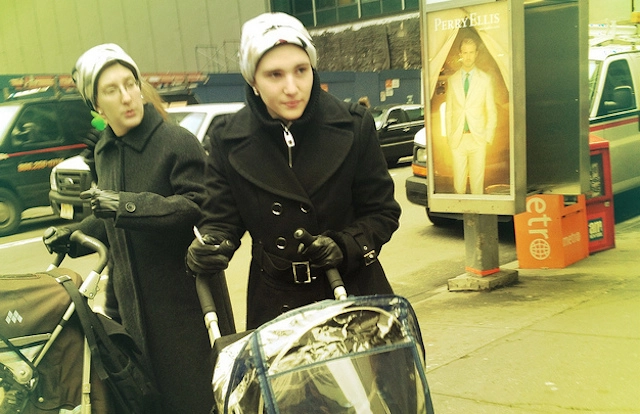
column 294, row 157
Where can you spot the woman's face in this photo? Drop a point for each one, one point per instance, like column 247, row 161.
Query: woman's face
column 119, row 99
column 284, row 79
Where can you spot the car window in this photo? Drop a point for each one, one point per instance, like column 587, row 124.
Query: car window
column 594, row 70
column 37, row 126
column 416, row 114
column 397, row 114
column 189, row 120
column 617, row 94
column 7, row 114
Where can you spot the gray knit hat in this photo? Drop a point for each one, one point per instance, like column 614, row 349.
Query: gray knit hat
column 90, row 65
column 266, row 31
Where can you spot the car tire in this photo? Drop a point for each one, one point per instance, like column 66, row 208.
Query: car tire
column 441, row 221
column 10, row 212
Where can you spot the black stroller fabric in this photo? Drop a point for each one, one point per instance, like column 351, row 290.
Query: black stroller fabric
column 116, row 359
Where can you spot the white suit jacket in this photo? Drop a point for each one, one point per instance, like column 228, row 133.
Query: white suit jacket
column 479, row 108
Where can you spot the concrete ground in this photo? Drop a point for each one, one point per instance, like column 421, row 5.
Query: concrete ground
column 558, row 341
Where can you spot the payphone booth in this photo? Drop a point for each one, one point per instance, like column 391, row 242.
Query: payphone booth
column 506, row 111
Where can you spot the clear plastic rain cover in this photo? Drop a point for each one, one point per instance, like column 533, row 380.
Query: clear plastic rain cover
column 363, row 355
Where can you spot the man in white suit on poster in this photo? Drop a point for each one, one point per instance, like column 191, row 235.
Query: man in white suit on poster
column 471, row 119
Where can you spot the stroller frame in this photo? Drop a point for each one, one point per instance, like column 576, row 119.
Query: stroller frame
column 88, row 289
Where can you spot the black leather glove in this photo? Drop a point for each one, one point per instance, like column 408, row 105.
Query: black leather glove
column 56, row 239
column 104, row 203
column 323, row 252
column 211, row 257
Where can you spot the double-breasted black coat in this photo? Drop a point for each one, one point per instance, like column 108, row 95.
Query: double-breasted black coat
column 158, row 169
column 333, row 181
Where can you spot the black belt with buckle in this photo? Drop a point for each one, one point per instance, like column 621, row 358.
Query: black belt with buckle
column 301, row 272
column 286, row 270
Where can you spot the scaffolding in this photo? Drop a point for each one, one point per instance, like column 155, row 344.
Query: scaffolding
column 218, row 59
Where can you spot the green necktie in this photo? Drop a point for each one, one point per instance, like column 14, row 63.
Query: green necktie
column 466, row 84
column 466, row 89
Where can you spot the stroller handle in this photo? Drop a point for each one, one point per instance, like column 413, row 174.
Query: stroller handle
column 208, row 305
column 335, row 280
column 92, row 244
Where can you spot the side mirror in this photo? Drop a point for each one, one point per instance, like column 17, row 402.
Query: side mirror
column 622, row 99
column 391, row 121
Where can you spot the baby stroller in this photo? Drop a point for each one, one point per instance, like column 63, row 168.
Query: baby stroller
column 44, row 361
column 360, row 355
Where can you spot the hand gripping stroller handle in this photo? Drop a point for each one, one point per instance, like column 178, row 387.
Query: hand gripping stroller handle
column 208, row 308
column 335, row 280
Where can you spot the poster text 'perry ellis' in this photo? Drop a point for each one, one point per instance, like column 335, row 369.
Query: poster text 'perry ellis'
column 473, row 20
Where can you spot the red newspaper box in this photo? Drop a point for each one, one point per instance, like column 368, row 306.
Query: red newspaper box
column 600, row 214
column 552, row 232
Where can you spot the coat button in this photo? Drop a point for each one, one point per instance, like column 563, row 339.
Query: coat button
column 304, row 208
column 276, row 208
column 281, row 243
column 285, row 308
column 130, row 206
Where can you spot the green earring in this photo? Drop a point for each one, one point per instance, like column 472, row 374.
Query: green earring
column 98, row 122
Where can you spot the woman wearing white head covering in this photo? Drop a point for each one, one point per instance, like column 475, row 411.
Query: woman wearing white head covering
column 148, row 197
column 294, row 157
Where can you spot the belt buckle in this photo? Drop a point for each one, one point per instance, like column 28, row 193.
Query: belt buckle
column 301, row 272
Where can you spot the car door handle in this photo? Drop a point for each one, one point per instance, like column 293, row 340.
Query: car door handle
column 407, row 129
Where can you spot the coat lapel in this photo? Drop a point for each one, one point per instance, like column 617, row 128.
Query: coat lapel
column 456, row 84
column 316, row 157
column 322, row 155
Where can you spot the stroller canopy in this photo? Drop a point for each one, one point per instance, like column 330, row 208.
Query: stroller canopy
column 361, row 355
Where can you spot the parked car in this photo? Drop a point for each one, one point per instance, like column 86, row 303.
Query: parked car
column 35, row 135
column 72, row 176
column 614, row 87
column 198, row 118
column 396, row 125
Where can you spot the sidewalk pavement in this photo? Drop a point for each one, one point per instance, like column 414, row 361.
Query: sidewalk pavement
column 558, row 341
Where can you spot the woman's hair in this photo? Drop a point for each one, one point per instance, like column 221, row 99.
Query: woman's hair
column 151, row 95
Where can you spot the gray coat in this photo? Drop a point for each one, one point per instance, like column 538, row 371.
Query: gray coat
column 338, row 185
column 158, row 170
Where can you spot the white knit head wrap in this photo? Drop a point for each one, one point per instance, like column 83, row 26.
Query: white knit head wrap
column 90, row 65
column 262, row 33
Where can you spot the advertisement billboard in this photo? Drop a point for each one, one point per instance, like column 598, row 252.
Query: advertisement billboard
column 473, row 138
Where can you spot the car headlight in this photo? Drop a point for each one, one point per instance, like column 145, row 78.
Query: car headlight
column 420, row 156
column 52, row 180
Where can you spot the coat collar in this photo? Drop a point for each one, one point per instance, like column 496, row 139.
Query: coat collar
column 322, row 143
column 137, row 137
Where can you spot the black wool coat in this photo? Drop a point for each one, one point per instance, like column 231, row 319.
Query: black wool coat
column 338, row 184
column 158, row 169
